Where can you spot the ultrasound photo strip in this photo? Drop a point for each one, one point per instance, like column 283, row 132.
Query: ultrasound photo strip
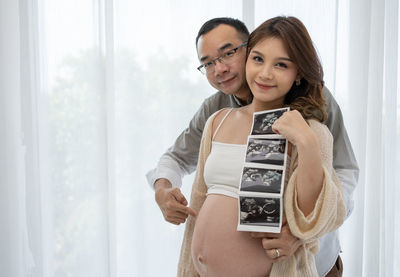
column 263, row 176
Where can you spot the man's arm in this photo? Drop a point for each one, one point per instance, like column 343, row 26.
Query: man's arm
column 180, row 159
column 344, row 161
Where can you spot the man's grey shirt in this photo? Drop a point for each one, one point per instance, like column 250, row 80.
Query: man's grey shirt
column 181, row 159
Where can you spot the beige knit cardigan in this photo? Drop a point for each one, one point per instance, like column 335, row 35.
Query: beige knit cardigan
column 328, row 214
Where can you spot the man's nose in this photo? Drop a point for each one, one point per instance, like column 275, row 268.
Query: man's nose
column 220, row 67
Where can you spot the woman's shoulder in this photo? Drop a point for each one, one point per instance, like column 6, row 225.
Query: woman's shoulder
column 216, row 118
column 218, row 115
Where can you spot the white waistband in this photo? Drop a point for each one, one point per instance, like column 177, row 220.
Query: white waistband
column 224, row 190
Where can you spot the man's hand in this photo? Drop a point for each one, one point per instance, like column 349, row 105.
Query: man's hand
column 172, row 202
column 284, row 242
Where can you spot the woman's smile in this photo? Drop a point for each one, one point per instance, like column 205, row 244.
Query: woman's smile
column 264, row 86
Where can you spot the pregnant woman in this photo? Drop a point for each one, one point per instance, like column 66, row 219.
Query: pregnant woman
column 282, row 70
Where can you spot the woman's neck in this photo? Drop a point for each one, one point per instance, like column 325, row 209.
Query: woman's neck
column 257, row 106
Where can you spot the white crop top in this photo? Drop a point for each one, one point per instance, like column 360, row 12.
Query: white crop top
column 224, row 166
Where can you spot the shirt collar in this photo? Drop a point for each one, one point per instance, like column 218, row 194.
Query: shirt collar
column 239, row 102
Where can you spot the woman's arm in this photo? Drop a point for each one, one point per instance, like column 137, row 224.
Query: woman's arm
column 310, row 173
column 312, row 177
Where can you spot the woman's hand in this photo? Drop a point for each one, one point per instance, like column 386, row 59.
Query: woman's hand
column 294, row 128
column 283, row 243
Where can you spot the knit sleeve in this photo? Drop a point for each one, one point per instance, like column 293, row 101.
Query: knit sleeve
column 329, row 211
column 197, row 198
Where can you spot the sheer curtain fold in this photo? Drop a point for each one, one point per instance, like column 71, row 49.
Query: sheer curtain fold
column 371, row 111
column 105, row 21
column 391, row 133
column 15, row 254
column 374, row 195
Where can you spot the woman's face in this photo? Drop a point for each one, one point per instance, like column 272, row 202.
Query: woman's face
column 270, row 72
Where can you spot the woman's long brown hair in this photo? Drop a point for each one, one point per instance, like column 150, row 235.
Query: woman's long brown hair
column 307, row 97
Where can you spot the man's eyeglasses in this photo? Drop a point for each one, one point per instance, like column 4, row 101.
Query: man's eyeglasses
column 226, row 58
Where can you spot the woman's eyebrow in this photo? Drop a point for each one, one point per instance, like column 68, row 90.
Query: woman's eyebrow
column 279, row 58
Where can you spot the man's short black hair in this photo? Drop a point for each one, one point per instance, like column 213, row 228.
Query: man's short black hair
column 215, row 22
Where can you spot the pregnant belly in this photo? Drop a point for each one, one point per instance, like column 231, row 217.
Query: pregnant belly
column 218, row 249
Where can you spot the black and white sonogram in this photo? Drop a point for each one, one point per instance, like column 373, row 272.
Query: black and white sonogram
column 261, row 180
column 262, row 123
column 267, row 151
column 260, row 211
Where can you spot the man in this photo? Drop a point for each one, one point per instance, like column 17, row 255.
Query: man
column 221, row 50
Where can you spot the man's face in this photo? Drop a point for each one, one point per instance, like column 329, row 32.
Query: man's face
column 229, row 77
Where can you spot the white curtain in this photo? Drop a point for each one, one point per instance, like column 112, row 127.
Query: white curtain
column 367, row 79
column 14, row 253
column 92, row 92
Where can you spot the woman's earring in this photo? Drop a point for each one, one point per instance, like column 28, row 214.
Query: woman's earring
column 298, row 82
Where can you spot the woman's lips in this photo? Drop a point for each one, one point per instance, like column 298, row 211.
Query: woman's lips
column 264, row 86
